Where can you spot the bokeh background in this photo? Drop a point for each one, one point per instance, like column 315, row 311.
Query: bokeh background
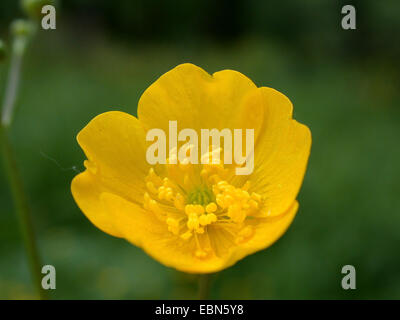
column 344, row 85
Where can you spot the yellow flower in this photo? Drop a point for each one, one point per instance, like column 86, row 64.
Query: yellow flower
column 197, row 218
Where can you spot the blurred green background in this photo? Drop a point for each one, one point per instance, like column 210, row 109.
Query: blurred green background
column 344, row 85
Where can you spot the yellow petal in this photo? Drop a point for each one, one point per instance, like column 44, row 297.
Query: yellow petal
column 143, row 229
column 86, row 192
column 281, row 153
column 266, row 233
column 195, row 99
column 114, row 143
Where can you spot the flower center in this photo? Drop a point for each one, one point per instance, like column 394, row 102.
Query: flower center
column 201, row 195
column 197, row 202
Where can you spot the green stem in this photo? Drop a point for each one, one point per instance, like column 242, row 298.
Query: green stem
column 22, row 210
column 13, row 174
column 13, row 81
column 204, row 286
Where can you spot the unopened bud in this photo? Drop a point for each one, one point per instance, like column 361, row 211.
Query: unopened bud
column 33, row 8
column 22, row 28
column 22, row 31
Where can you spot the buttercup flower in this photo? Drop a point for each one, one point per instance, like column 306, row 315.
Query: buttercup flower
column 197, row 218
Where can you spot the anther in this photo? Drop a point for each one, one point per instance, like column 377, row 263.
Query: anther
column 150, row 186
column 211, row 207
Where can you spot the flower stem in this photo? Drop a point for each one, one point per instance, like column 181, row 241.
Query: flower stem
column 13, row 174
column 204, row 286
column 12, row 85
column 22, row 211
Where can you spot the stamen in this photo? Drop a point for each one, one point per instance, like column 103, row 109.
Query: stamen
column 179, row 202
column 191, row 200
column 245, row 234
column 150, row 186
column 211, row 207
